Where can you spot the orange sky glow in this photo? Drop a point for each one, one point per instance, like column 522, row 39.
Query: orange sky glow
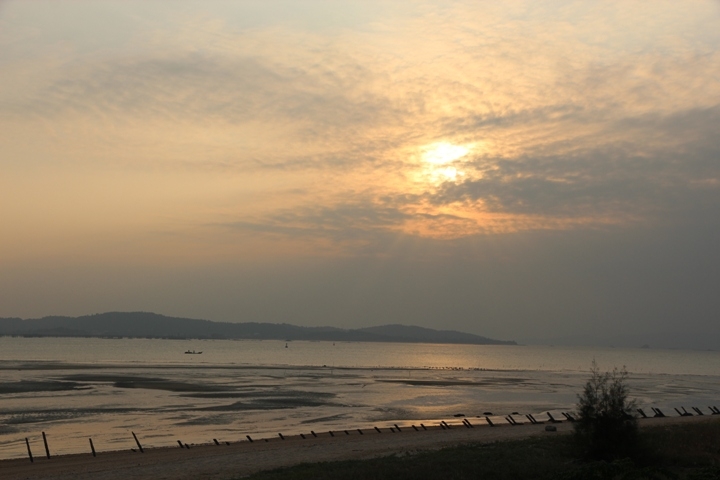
column 162, row 134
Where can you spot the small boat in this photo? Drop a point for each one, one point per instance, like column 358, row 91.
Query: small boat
column 192, row 352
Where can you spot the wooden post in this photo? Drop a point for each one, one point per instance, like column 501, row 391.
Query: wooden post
column 303, row 436
column 423, row 426
column 487, row 419
column 138, row 442
column 331, row 433
column 313, row 433
column 248, row 437
column 27, row 442
column 415, row 428
column 216, row 442
column 378, row 430
column 92, row 447
column 281, row 436
column 47, row 450
column 181, row 445
column 398, row 428
column 360, row 432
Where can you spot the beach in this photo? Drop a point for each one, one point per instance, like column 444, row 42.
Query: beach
column 223, row 461
column 105, row 389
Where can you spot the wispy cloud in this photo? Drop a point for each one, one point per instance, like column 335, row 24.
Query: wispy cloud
column 504, row 167
column 576, row 115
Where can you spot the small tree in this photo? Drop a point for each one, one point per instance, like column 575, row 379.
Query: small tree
column 606, row 427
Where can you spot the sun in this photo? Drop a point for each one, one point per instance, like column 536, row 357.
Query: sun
column 443, row 153
column 442, row 160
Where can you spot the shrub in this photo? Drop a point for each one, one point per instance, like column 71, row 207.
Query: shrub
column 606, row 428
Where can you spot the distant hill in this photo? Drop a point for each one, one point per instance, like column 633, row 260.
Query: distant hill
column 152, row 325
column 403, row 333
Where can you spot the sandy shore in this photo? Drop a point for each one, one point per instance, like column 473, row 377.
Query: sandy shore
column 235, row 460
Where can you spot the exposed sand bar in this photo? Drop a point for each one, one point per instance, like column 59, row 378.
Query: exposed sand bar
column 235, row 460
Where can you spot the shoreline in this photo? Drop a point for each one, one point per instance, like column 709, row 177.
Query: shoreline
column 245, row 458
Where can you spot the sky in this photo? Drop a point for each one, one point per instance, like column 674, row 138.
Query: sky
column 522, row 170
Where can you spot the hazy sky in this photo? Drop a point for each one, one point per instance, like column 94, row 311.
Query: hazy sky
column 514, row 169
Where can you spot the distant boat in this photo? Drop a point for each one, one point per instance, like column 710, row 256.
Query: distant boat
column 192, row 352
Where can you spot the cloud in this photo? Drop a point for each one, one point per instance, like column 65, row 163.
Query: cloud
column 229, row 164
column 670, row 158
column 575, row 119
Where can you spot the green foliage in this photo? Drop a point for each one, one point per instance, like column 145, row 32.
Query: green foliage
column 606, row 428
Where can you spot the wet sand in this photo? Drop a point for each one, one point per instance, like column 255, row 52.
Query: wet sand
column 233, row 461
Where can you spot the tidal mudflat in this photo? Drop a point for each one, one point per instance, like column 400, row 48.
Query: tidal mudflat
column 164, row 396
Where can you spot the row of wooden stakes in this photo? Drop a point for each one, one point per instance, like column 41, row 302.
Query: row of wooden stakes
column 92, row 447
column 684, row 413
column 396, row 428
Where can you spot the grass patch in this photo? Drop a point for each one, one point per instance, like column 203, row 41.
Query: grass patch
column 684, row 445
column 674, row 452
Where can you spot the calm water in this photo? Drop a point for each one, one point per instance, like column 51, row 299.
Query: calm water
column 103, row 388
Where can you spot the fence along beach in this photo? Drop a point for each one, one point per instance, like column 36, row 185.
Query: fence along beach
column 222, row 460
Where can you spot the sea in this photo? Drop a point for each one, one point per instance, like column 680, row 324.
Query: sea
column 77, row 389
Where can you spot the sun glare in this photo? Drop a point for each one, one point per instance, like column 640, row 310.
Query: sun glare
column 449, row 173
column 442, row 153
column 442, row 162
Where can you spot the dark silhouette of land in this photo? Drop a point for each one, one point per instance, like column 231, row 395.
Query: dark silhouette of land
column 152, row 325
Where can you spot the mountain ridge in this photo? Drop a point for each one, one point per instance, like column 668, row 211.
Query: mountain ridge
column 153, row 325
